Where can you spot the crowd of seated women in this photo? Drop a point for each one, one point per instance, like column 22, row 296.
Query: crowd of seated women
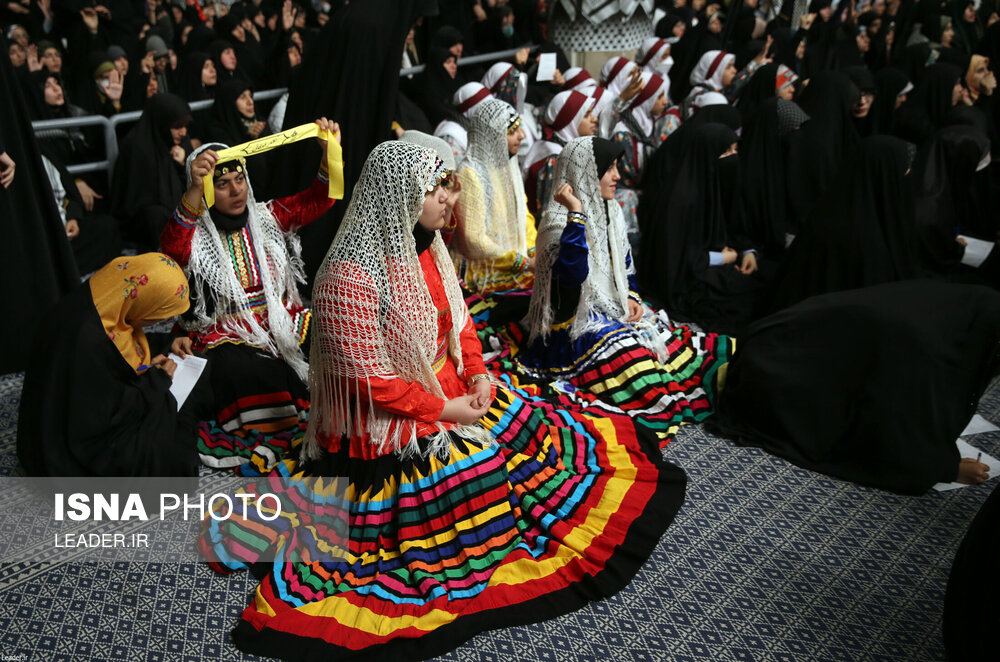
column 779, row 228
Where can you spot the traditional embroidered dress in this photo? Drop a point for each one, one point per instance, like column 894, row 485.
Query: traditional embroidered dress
column 249, row 320
column 530, row 513
column 663, row 375
column 495, row 233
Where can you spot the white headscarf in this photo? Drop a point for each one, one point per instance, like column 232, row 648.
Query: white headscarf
column 615, row 73
column 604, row 294
column 496, row 74
column 565, row 112
column 650, row 56
column 466, row 100
column 373, row 313
column 501, row 210
column 639, row 116
column 708, row 71
column 211, row 274
column 578, row 79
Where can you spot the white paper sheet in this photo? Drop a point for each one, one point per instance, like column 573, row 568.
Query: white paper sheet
column 186, row 375
column 976, row 251
column 966, row 450
column 978, row 425
column 546, row 67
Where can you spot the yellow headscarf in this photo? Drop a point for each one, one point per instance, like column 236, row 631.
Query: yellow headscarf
column 974, row 62
column 132, row 289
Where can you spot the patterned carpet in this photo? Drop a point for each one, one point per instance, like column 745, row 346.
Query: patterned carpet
column 765, row 562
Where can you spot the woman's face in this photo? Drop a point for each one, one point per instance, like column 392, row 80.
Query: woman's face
column 714, row 24
column 294, row 56
column 800, row 50
column 209, row 76
column 451, row 67
column 609, row 182
column 659, row 105
column 435, row 207
column 786, row 93
column 947, row 34
column 178, row 134
column 53, row 92
column 152, row 87
column 588, row 125
column 969, row 15
column 17, row 54
column 900, row 100
column 514, row 140
column 863, row 105
column 228, row 59
column 728, row 74
column 231, row 193
column 244, row 103
column 976, row 76
column 679, row 29
column 456, row 50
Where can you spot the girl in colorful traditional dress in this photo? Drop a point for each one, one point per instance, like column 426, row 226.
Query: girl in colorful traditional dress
column 494, row 241
column 587, row 325
column 242, row 257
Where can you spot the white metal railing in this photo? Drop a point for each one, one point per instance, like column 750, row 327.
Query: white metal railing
column 111, row 124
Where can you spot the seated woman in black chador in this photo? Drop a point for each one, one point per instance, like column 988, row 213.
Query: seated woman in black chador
column 96, row 402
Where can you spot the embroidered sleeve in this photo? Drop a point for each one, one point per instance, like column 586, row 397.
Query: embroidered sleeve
column 175, row 240
column 571, row 267
column 299, row 210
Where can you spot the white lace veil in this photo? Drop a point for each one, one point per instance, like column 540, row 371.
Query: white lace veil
column 500, row 212
column 373, row 314
column 605, row 291
column 211, row 274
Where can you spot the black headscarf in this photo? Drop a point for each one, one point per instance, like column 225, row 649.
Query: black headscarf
column 687, row 219
column 191, row 87
column 861, row 233
column 944, row 178
column 228, row 124
column 439, row 87
column 665, row 26
column 215, row 50
column 758, row 88
column 889, row 84
column 605, row 154
column 927, row 109
column 763, row 151
column 148, row 183
column 199, row 39
column 815, row 151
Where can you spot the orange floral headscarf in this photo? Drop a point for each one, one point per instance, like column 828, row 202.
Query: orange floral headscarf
column 131, row 289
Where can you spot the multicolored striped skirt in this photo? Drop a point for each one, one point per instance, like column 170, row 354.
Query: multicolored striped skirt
column 260, row 411
column 611, row 372
column 563, row 510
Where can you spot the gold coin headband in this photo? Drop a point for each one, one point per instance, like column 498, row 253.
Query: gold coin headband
column 334, row 156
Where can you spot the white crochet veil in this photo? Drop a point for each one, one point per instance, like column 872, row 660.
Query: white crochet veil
column 210, row 272
column 500, row 213
column 373, row 314
column 605, row 291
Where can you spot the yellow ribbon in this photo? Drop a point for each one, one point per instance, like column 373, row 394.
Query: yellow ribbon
column 334, row 156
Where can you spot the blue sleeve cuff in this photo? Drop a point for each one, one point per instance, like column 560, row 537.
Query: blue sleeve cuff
column 714, row 258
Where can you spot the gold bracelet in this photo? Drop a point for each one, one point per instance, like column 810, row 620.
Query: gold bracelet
column 475, row 378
